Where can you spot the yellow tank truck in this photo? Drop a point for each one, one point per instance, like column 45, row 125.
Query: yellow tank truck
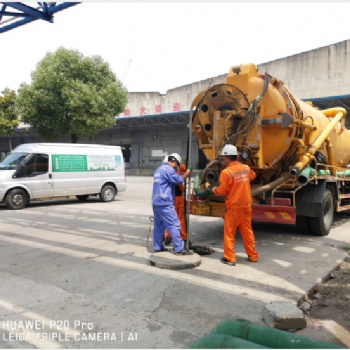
column 300, row 153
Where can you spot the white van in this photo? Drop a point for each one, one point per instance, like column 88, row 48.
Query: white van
column 48, row 170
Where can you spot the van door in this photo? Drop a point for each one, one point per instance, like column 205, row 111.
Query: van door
column 34, row 173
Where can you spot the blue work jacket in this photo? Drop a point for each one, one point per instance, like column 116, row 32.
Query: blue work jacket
column 165, row 179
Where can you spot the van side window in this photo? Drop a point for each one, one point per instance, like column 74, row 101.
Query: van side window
column 37, row 164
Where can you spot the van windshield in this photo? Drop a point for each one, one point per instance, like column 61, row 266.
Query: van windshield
column 12, row 160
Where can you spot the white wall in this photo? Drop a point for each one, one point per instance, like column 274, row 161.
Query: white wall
column 317, row 73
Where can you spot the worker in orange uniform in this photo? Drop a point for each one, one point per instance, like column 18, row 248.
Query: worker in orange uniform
column 235, row 185
column 179, row 208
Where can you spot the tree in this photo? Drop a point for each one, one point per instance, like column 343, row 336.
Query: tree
column 71, row 95
column 8, row 116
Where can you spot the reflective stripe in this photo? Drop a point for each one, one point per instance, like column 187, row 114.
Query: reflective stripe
column 235, row 185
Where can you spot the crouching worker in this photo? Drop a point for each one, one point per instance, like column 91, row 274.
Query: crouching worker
column 163, row 199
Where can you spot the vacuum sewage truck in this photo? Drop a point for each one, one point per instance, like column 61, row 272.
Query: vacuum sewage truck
column 299, row 153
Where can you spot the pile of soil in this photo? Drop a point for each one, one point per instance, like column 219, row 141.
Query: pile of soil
column 328, row 318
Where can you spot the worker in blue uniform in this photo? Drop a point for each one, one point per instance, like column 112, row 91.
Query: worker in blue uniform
column 163, row 199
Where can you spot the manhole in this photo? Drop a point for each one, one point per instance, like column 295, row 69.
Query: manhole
column 201, row 250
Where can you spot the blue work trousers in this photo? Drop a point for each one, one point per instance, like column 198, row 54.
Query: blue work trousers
column 166, row 217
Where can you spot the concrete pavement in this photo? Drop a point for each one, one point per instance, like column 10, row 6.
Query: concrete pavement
column 78, row 275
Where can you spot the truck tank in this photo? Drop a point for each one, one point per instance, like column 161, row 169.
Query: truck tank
column 286, row 141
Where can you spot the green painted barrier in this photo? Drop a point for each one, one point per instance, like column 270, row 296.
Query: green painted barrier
column 223, row 341
column 269, row 337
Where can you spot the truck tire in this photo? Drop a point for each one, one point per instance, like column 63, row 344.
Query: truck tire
column 303, row 224
column 108, row 193
column 16, row 199
column 83, row 197
column 320, row 226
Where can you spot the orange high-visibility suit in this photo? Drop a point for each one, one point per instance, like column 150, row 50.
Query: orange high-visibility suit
column 180, row 206
column 235, row 185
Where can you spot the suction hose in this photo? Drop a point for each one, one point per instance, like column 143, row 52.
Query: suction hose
column 271, row 185
column 196, row 187
column 243, row 333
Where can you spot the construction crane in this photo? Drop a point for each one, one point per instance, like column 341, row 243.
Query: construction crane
column 16, row 14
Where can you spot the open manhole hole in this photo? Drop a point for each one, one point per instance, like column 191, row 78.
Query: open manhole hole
column 201, row 250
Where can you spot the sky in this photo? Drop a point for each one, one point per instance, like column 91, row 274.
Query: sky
column 157, row 46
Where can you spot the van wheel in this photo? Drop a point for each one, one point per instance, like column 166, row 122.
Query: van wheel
column 83, row 197
column 16, row 199
column 320, row 226
column 108, row 193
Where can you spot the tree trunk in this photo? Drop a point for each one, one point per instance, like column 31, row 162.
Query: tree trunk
column 10, row 144
column 74, row 138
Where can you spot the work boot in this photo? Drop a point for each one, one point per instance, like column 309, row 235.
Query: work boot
column 227, row 262
column 168, row 241
column 163, row 249
column 251, row 260
column 185, row 252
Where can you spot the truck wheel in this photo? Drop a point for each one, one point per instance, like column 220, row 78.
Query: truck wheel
column 83, row 197
column 320, row 226
column 108, row 193
column 303, row 224
column 16, row 199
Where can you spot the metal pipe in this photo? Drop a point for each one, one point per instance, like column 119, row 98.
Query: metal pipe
column 304, row 176
column 330, row 155
column 330, row 112
column 305, row 125
column 188, row 192
column 306, row 158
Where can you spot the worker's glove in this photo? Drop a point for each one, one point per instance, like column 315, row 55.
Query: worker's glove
column 190, row 168
column 210, row 186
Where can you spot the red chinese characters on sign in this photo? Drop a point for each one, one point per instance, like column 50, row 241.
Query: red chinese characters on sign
column 143, row 110
column 176, row 107
column 127, row 112
column 158, row 108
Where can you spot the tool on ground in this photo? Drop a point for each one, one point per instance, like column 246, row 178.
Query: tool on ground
column 151, row 219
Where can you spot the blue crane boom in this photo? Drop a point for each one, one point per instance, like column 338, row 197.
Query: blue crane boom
column 16, row 14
